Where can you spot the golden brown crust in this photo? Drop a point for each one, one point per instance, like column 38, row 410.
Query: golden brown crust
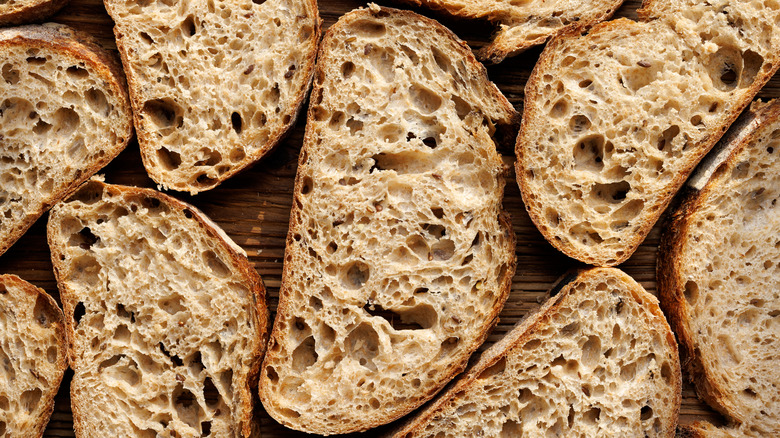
column 34, row 12
column 58, row 320
column 145, row 140
column 82, row 48
column 524, row 330
column 671, row 283
column 529, row 116
column 239, row 260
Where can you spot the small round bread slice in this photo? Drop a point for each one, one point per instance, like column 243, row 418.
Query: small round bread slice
column 166, row 318
column 597, row 359
column 719, row 273
column 33, row 355
column 64, row 114
column 216, row 84
column 13, row 12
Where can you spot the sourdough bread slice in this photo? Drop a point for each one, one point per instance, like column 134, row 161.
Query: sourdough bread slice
column 597, row 359
column 524, row 24
column 215, row 84
column 166, row 318
column 719, row 276
column 26, row 11
column 64, row 114
column 399, row 257
column 615, row 120
column 33, row 356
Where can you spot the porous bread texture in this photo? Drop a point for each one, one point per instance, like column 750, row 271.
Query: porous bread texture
column 703, row 429
column 719, row 277
column 215, row 84
column 598, row 359
column 166, row 319
column 399, row 257
column 64, row 114
column 616, row 119
column 524, row 23
column 32, row 357
column 25, row 11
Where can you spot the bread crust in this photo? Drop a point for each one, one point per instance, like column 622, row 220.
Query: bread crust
column 146, row 140
column 524, row 330
column 655, row 209
column 36, row 10
column 52, row 309
column 501, row 48
column 81, row 47
column 81, row 423
column 671, row 262
column 296, row 227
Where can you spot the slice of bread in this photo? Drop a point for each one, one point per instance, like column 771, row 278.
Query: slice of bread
column 399, row 257
column 719, row 276
column 27, row 11
column 64, row 114
column 214, row 85
column 524, row 24
column 32, row 357
column 615, row 120
column 166, row 318
column 597, row 359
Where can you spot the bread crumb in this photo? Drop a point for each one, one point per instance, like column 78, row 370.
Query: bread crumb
column 373, row 7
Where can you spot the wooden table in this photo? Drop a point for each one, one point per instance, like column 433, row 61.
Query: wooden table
column 253, row 208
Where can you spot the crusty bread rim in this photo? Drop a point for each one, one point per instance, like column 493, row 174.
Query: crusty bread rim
column 37, row 11
column 309, row 137
column 273, row 141
column 671, row 284
column 237, row 257
column 665, row 198
column 523, row 330
column 82, row 48
column 47, row 399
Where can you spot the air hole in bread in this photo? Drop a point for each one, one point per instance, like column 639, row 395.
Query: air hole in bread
column 77, row 72
column 8, row 368
column 443, row 250
column 646, row 413
column 589, row 153
column 613, row 193
column 41, row 311
column 691, row 292
column 122, row 334
column 462, row 108
column 36, row 60
column 10, row 74
column 186, row 406
column 188, row 27
column 41, row 127
column 591, row 351
column 305, row 355
column 236, row 122
column 560, row 109
column 78, row 312
column 441, row 59
column 307, row 185
column 273, row 376
column 362, row 345
column 355, row 275
column 592, row 415
column 354, row 125
column 424, row 99
column 30, row 399
column 97, row 101
column 667, row 137
column 176, row 360
column 204, row 180
column 4, row 402
column 172, row 304
column 3, row 289
column 579, row 123
column 84, row 239
column 65, row 121
column 165, row 114
column 369, row 28
column 495, row 369
column 210, row 392
column 205, row 426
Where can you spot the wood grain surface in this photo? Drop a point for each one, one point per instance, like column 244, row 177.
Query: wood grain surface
column 253, row 208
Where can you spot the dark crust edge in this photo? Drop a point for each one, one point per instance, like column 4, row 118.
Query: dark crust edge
column 506, row 283
column 146, row 142
column 632, row 244
column 62, row 361
column 526, row 328
column 671, row 285
column 81, row 47
column 211, row 230
column 37, row 11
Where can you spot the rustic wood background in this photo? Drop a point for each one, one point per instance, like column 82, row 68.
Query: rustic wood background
column 253, row 208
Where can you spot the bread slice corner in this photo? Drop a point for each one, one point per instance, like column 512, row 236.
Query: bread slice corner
column 33, row 352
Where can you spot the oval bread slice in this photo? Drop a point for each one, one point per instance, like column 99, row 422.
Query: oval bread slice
column 33, row 355
column 166, row 318
column 215, row 84
column 64, row 114
column 598, row 359
column 26, row 11
column 399, row 257
column 719, row 274
column 615, row 120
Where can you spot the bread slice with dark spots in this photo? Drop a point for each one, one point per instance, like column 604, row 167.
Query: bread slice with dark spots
column 33, row 357
column 166, row 317
column 597, row 359
column 399, row 257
